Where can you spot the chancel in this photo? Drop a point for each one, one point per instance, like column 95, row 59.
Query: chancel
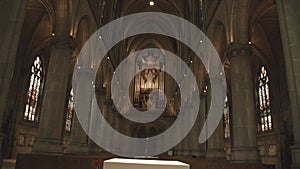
column 42, row 57
column 150, row 78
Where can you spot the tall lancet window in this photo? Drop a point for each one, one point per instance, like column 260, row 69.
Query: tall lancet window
column 226, row 118
column 70, row 111
column 34, row 91
column 264, row 107
column 152, row 77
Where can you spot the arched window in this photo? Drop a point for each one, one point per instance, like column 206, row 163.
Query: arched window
column 264, row 108
column 34, row 90
column 226, row 118
column 70, row 110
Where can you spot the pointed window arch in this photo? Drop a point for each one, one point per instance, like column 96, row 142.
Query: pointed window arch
column 70, row 111
column 226, row 118
column 264, row 106
column 34, row 91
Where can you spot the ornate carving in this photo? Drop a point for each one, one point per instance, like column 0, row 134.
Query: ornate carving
column 272, row 150
column 63, row 42
column 262, row 150
column 238, row 50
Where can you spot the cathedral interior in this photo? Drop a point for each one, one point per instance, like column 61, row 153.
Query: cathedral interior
column 258, row 43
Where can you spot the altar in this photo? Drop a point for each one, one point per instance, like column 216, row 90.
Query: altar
column 119, row 163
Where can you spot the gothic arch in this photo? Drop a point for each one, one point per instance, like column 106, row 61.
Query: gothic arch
column 129, row 10
column 83, row 32
column 82, row 16
column 41, row 38
column 263, row 8
column 140, row 43
column 261, row 38
column 75, row 6
column 39, row 34
column 50, row 10
column 82, row 35
column 240, row 21
column 160, row 22
column 219, row 39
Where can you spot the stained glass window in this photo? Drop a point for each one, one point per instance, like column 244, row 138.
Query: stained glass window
column 70, row 110
column 265, row 117
column 226, row 118
column 33, row 93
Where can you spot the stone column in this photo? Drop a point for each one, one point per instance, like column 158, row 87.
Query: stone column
column 12, row 15
column 244, row 145
column 115, row 123
column 78, row 135
column 107, row 116
column 51, row 121
column 101, row 94
column 198, row 150
column 215, row 144
column 78, row 141
column 289, row 13
column 110, row 117
column 187, row 141
column 178, row 149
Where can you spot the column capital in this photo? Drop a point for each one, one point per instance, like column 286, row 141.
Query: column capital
column 109, row 102
column 238, row 50
column 101, row 90
column 203, row 94
column 63, row 42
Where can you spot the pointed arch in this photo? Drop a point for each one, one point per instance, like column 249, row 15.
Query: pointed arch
column 220, row 39
column 265, row 121
column 240, row 21
column 36, row 79
column 69, row 112
column 83, row 31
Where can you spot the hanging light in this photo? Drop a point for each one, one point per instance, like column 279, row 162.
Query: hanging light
column 151, row 3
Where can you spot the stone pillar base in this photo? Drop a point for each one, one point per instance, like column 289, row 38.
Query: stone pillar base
column 178, row 152
column 94, row 149
column 215, row 153
column 186, row 153
column 198, row 153
column 47, row 146
column 77, row 148
column 244, row 155
column 295, row 149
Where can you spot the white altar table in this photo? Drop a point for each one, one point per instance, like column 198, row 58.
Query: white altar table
column 119, row 163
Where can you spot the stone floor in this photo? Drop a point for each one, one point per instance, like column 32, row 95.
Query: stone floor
column 88, row 162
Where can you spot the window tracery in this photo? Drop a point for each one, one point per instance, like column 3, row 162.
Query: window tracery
column 34, row 90
column 70, row 111
column 264, row 107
